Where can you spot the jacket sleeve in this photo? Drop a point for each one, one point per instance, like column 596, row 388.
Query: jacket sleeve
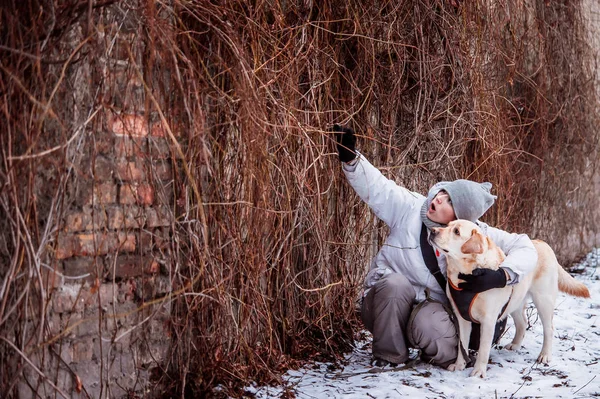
column 389, row 201
column 521, row 255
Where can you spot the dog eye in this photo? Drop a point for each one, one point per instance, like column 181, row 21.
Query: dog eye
column 456, row 231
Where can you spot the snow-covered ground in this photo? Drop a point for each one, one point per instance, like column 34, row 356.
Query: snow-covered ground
column 573, row 372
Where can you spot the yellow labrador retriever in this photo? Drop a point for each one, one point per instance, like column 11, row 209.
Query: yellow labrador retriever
column 466, row 249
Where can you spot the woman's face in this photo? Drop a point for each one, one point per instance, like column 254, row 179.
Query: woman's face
column 441, row 210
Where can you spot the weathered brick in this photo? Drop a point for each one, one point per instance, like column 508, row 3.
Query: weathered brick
column 84, row 267
column 104, row 142
column 130, row 171
column 82, row 350
column 103, row 169
column 158, row 130
column 127, row 194
column 145, row 194
column 93, row 244
column 160, row 148
column 142, row 194
column 52, row 278
column 129, row 125
column 77, row 221
column 66, row 246
column 114, row 325
column 163, row 170
column 87, row 219
column 162, row 238
column 87, row 323
column 144, row 241
column 125, row 217
column 129, row 289
column 98, row 194
column 153, row 286
column 54, row 322
column 109, row 294
column 132, row 266
column 127, row 242
column 86, row 374
column 158, row 216
column 105, row 193
column 67, row 298
column 65, row 351
column 125, row 315
column 125, row 146
column 164, row 194
column 98, row 216
column 135, row 217
column 99, row 243
column 116, row 218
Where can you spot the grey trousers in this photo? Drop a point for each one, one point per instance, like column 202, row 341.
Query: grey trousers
column 387, row 312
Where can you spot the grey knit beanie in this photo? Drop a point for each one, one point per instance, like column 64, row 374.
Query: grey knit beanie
column 469, row 199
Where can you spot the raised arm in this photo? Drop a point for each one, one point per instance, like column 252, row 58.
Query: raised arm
column 388, row 201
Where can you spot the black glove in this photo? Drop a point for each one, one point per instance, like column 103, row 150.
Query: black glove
column 483, row 280
column 346, row 143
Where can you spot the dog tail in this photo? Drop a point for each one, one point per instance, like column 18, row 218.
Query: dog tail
column 568, row 285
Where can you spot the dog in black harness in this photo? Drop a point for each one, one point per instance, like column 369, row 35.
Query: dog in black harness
column 466, row 250
column 464, row 300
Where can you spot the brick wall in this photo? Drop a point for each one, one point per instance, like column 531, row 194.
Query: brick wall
column 111, row 257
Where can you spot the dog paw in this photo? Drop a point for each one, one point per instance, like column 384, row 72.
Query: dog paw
column 513, row 347
column 544, row 358
column 457, row 366
column 478, row 372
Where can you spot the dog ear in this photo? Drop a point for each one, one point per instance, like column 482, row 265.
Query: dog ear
column 474, row 245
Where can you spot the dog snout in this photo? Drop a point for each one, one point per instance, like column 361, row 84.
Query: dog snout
column 434, row 231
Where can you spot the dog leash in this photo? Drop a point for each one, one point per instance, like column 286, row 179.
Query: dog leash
column 430, row 259
column 470, row 360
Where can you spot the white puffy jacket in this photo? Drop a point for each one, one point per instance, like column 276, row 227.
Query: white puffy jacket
column 400, row 209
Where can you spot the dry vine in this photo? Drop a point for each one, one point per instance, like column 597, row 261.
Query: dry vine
column 269, row 245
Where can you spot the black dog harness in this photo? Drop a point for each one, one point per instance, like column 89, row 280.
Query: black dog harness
column 464, row 300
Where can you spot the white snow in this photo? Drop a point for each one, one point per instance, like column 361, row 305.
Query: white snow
column 572, row 373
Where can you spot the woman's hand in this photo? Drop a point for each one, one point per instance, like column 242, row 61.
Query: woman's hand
column 346, row 143
column 483, row 280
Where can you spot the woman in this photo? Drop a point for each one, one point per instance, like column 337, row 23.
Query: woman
column 394, row 306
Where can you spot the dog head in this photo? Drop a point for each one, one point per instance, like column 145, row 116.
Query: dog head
column 460, row 239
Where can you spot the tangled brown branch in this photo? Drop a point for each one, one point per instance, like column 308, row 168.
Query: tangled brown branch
column 267, row 244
